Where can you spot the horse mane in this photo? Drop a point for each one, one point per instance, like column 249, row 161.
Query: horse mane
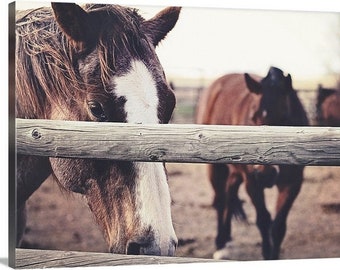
column 46, row 64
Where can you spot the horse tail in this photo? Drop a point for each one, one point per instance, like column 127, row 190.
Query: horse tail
column 237, row 210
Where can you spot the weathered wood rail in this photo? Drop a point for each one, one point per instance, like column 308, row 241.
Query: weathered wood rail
column 180, row 143
column 31, row 258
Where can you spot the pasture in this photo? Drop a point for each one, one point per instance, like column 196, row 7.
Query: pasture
column 63, row 221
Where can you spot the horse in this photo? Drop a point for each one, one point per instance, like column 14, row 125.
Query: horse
column 98, row 62
column 248, row 99
column 328, row 107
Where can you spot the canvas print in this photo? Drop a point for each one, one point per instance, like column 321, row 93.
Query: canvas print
column 172, row 134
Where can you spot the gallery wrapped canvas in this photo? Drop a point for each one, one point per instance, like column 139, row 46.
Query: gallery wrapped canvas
column 144, row 134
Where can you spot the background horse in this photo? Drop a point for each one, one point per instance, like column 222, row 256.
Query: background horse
column 241, row 99
column 328, row 107
column 98, row 63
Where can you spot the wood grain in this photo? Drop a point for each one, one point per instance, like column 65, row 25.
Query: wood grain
column 30, row 258
column 180, row 143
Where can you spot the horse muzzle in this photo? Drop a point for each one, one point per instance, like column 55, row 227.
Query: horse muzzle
column 142, row 247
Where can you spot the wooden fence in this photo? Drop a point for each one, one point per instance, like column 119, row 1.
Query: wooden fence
column 180, row 143
column 166, row 143
column 29, row 258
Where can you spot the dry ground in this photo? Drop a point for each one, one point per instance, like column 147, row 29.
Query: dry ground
column 60, row 221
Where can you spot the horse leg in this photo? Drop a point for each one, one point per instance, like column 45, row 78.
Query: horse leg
column 218, row 174
column 263, row 219
column 31, row 173
column 289, row 186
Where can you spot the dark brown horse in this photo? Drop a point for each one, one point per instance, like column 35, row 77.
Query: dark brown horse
column 328, row 107
column 98, row 63
column 243, row 99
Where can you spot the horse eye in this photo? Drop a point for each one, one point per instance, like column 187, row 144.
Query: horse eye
column 96, row 109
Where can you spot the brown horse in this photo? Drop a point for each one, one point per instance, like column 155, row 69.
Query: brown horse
column 241, row 99
column 98, row 63
column 328, row 107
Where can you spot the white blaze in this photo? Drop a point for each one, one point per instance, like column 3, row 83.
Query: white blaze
column 139, row 90
column 155, row 211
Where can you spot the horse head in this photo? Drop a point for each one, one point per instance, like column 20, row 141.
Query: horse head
column 275, row 103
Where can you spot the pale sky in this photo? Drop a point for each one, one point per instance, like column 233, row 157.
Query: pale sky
column 221, row 40
column 210, row 41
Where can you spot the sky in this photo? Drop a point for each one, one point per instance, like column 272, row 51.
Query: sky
column 216, row 41
column 210, row 41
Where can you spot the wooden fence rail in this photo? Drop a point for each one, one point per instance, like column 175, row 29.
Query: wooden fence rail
column 180, row 143
column 32, row 258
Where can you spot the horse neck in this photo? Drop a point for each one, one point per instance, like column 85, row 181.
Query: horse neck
column 298, row 115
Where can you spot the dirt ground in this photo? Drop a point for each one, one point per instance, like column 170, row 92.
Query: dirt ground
column 61, row 221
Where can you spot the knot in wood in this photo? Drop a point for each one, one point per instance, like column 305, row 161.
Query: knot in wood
column 153, row 157
column 157, row 155
column 36, row 134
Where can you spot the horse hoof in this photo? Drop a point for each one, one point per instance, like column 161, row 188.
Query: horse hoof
column 223, row 253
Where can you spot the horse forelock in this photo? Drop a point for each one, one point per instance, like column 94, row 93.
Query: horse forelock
column 120, row 34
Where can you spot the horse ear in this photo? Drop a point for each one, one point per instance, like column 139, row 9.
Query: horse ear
column 289, row 83
column 253, row 85
column 74, row 21
column 160, row 25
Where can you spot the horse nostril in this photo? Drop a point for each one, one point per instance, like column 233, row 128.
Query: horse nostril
column 133, row 248
column 151, row 248
column 174, row 243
